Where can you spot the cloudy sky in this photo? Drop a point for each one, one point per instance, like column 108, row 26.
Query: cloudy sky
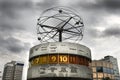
column 18, row 20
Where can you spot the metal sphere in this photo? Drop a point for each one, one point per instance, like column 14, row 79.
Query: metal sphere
column 60, row 24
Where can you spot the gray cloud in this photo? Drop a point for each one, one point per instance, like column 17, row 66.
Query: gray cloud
column 11, row 8
column 11, row 23
column 113, row 31
column 13, row 45
column 94, row 12
column 109, row 4
column 99, row 5
column 11, row 13
column 105, row 6
column 45, row 4
column 10, row 26
column 94, row 33
column 108, row 32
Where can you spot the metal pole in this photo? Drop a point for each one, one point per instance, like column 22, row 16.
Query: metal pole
column 60, row 36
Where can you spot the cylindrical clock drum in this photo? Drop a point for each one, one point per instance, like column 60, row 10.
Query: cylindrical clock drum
column 59, row 61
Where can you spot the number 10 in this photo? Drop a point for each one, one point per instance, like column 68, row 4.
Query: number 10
column 63, row 58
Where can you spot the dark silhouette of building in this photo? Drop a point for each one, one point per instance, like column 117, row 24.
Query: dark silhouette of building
column 13, row 71
column 102, row 70
column 113, row 60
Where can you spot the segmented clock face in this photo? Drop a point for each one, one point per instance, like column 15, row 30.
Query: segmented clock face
column 59, row 24
column 60, row 58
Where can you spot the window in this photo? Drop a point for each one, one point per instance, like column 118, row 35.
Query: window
column 99, row 69
column 105, row 75
column 108, row 65
column 108, row 71
column 113, row 77
column 105, row 70
column 94, row 75
column 94, row 69
column 105, row 64
column 100, row 75
column 112, row 71
column 99, row 64
column 109, row 75
column 111, row 66
column 93, row 63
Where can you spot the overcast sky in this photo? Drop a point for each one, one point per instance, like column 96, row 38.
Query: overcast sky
column 18, row 19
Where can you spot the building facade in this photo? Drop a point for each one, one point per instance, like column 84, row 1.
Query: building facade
column 115, row 65
column 102, row 70
column 13, row 71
